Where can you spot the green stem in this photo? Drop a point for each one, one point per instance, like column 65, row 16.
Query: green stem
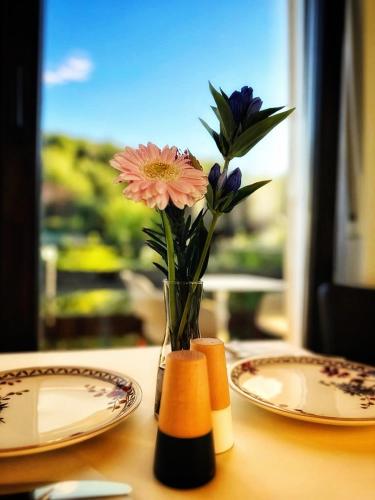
column 170, row 247
column 226, row 164
column 206, row 246
column 170, row 263
column 197, row 274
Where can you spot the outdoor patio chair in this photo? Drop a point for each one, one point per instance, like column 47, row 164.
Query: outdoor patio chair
column 148, row 304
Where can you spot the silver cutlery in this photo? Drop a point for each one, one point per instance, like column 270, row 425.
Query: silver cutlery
column 67, row 490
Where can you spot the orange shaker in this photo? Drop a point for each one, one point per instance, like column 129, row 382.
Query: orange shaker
column 213, row 349
column 184, row 454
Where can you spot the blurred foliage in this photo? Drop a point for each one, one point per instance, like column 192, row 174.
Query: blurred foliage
column 244, row 301
column 94, row 302
column 80, row 195
column 83, row 342
column 243, row 252
column 80, row 199
column 91, row 255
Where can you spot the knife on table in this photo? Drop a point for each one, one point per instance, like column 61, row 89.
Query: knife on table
column 68, row 490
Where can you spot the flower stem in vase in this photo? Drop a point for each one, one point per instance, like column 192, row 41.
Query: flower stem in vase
column 177, row 339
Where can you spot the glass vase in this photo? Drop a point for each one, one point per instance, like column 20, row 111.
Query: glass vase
column 182, row 306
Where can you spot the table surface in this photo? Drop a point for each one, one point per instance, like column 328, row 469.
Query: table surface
column 273, row 458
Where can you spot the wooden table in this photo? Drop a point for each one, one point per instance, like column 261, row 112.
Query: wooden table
column 274, row 457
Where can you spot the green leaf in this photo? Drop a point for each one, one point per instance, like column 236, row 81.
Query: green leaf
column 223, row 140
column 213, row 134
column 195, row 248
column 224, row 94
column 260, row 115
column 149, row 231
column 255, row 133
column 215, row 110
column 202, row 240
column 224, row 112
column 208, row 128
column 224, row 146
column 210, row 197
column 154, row 235
column 161, row 268
column 160, row 249
column 244, row 193
column 185, row 232
column 198, row 219
column 226, row 202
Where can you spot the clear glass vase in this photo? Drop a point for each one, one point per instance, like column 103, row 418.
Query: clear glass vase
column 182, row 305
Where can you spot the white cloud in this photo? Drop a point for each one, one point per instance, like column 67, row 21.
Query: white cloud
column 72, row 69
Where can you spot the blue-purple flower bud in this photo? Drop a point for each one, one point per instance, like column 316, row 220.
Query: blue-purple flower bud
column 233, row 181
column 222, row 180
column 244, row 104
column 214, row 175
column 254, row 106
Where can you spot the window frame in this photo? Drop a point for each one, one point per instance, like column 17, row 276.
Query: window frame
column 21, row 44
column 324, row 29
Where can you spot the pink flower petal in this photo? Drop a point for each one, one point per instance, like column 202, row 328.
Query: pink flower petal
column 182, row 184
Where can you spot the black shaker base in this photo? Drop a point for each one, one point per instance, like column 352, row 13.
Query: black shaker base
column 184, row 462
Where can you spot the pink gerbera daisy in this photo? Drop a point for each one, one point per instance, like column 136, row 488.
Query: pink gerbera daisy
column 157, row 176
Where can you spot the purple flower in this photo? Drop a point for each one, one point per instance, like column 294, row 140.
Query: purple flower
column 229, row 183
column 214, row 175
column 243, row 104
column 222, row 180
column 233, row 181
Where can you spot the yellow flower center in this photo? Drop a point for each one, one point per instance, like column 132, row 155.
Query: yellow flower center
column 161, row 171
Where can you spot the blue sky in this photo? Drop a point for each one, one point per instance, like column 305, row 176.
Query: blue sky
column 130, row 71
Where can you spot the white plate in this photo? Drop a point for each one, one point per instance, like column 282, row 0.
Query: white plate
column 312, row 388
column 51, row 407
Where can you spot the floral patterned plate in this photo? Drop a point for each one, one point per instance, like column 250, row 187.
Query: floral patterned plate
column 46, row 408
column 316, row 389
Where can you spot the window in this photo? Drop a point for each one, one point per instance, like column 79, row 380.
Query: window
column 117, row 73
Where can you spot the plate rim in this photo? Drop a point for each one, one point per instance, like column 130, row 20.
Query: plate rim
column 70, row 440
column 306, row 416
